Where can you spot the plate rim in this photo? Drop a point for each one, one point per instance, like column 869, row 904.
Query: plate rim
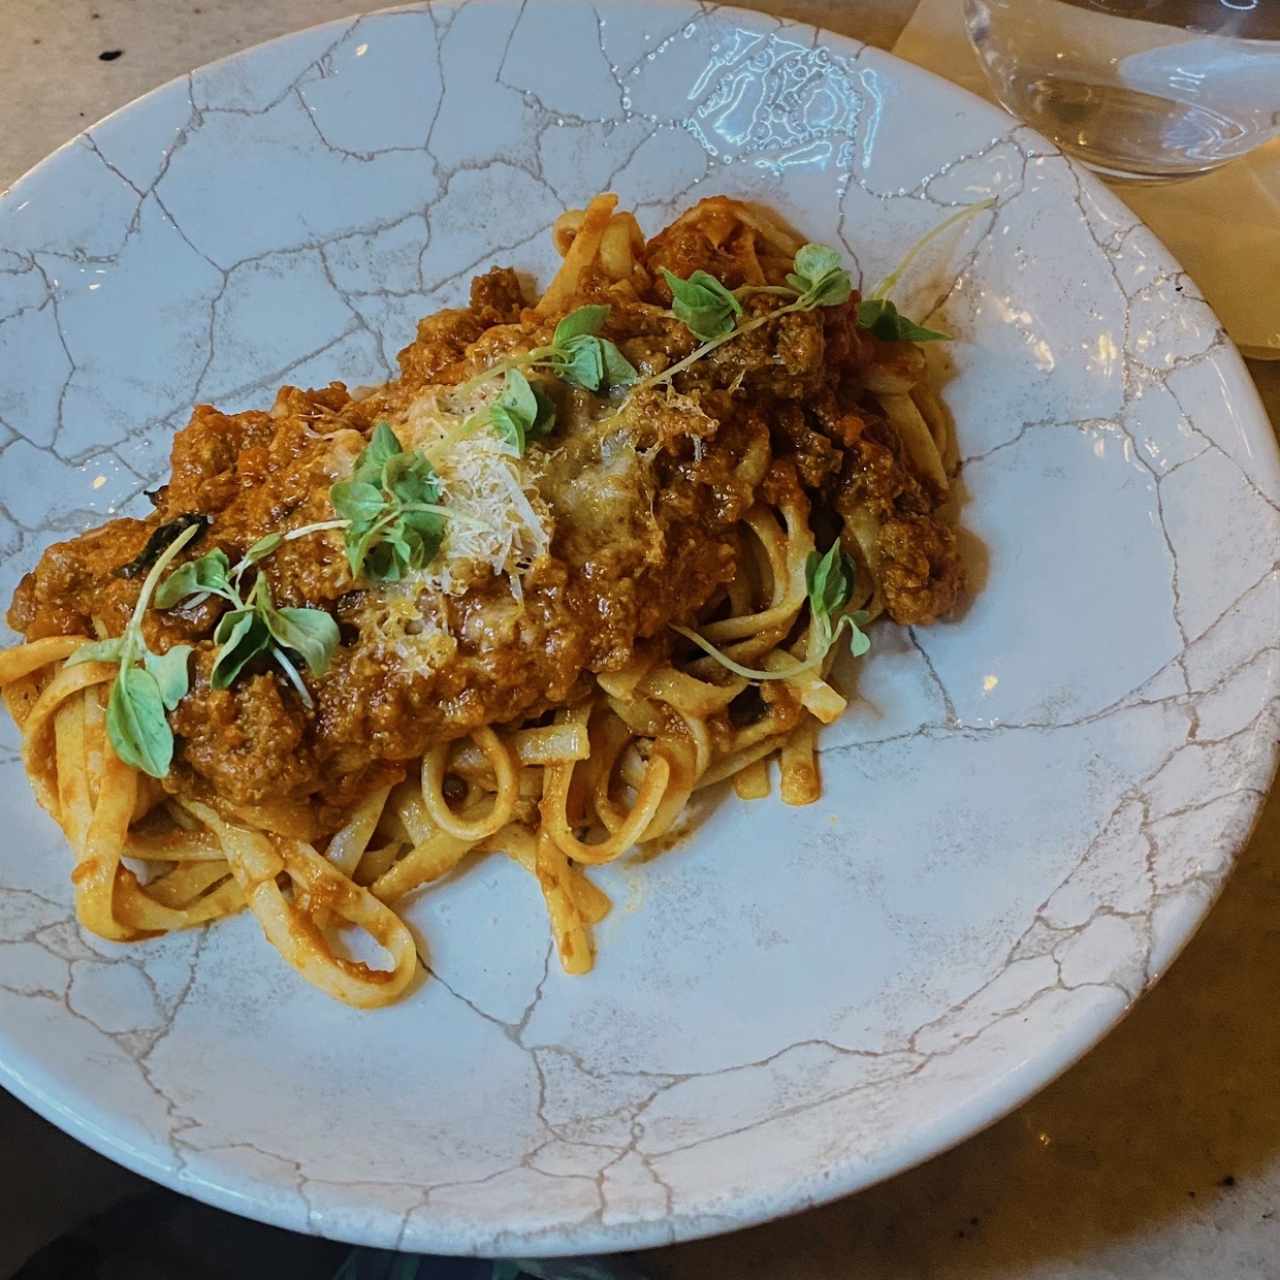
column 100, row 1128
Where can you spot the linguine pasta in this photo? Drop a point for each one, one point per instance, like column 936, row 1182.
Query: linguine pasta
column 851, row 455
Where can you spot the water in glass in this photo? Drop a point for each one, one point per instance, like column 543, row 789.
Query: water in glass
column 1141, row 90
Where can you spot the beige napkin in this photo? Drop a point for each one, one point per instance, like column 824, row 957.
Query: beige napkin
column 1224, row 228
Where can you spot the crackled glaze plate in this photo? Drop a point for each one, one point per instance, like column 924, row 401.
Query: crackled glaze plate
column 1025, row 814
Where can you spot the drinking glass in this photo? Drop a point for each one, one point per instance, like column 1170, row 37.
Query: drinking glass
column 1140, row 90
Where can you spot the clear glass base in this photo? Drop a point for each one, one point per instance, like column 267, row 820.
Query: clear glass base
column 1122, row 134
column 1141, row 91
column 1119, row 176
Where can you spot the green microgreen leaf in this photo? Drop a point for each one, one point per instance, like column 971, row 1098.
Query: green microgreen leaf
column 210, row 573
column 357, row 500
column 241, row 635
column 577, row 355
column 262, row 548
column 814, row 261
column 517, row 397
column 818, row 281
column 702, row 304
column 136, row 724
column 580, row 362
column 594, row 364
column 818, row 278
column 107, row 650
column 859, row 641
column 509, row 426
column 395, row 523
column 831, row 290
column 544, row 418
column 373, row 554
column 383, row 445
column 522, row 412
column 410, row 477
column 731, row 664
column 169, row 670
column 618, row 370
column 311, row 633
column 584, row 322
column 880, row 317
column 829, row 579
column 140, row 695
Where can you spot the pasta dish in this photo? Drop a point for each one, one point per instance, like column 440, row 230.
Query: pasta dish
column 581, row 560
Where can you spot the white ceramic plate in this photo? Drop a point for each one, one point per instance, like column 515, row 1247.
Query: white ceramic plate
column 1024, row 817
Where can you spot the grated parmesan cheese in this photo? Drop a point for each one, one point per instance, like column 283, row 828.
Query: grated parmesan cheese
column 401, row 621
column 502, row 523
column 498, row 524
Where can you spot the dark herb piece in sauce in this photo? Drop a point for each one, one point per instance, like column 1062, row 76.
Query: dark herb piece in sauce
column 158, row 541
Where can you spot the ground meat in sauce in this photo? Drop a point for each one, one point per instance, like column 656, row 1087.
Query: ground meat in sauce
column 920, row 570
column 875, row 479
column 778, row 411
column 254, row 727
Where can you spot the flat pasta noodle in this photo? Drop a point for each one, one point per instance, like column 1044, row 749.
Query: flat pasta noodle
column 97, row 799
column 557, row 824
column 426, row 862
column 583, row 250
column 567, row 926
column 622, row 683
column 619, row 245
column 520, row 844
column 186, row 884
column 504, row 766
column 817, row 697
column 941, row 428
column 377, row 862
column 25, row 659
column 799, row 765
column 900, row 368
column 862, row 529
column 545, row 744
column 258, row 861
column 762, row 630
column 752, row 781
column 349, row 842
column 565, row 227
column 38, row 726
column 193, row 895
column 99, row 868
column 914, row 433
column 611, row 768
column 174, row 844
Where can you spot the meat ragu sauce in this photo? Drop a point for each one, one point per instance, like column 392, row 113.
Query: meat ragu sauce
column 641, row 515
